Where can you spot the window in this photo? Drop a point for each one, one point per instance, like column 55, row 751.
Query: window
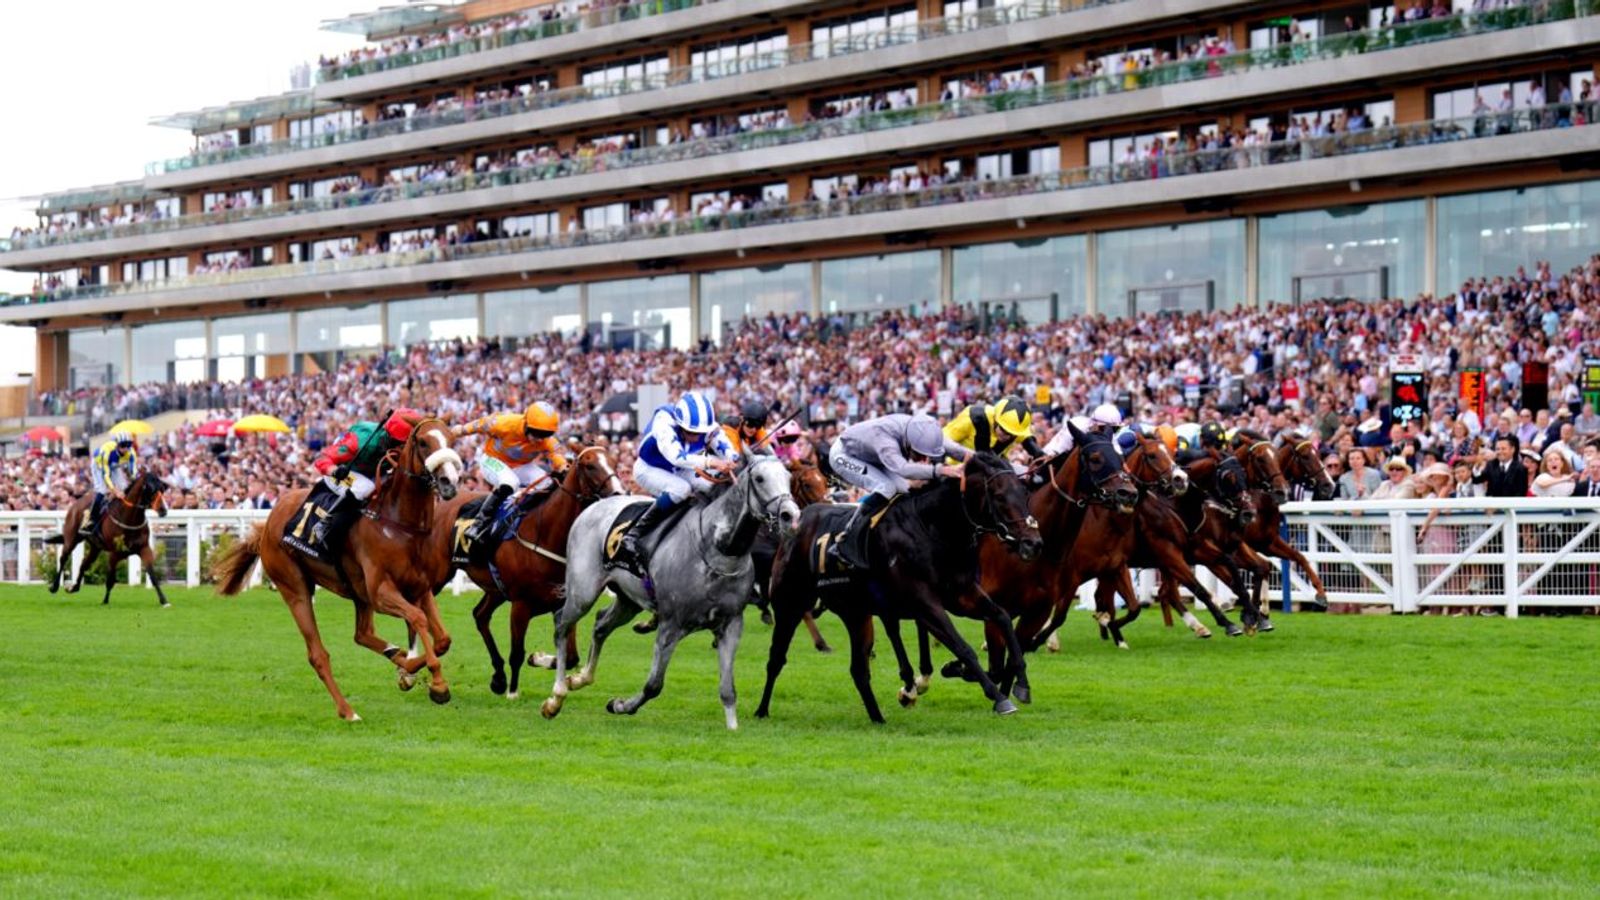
column 244, row 345
column 641, row 313
column 991, row 82
column 433, row 319
column 1025, row 272
column 328, row 248
column 861, row 31
column 847, row 105
column 531, row 225
column 1171, row 268
column 1367, row 252
column 634, row 70
column 1479, row 98
column 877, row 284
column 1009, row 163
column 833, row 186
column 736, row 55
column 732, row 294
column 532, row 311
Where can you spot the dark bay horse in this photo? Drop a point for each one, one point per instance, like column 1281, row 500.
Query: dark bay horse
column 530, row 566
column 810, row 487
column 1299, row 465
column 1267, row 485
column 390, row 560
column 123, row 531
column 924, row 553
column 1215, row 515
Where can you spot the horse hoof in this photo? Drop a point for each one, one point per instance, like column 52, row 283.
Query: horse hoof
column 513, row 695
column 1053, row 644
column 762, row 712
column 54, row 588
column 353, row 717
column 1004, row 706
column 1022, row 694
column 645, row 627
column 614, row 706
column 824, row 647
column 165, row 605
column 1266, row 626
column 1321, row 598
column 1203, row 633
column 439, row 697
column 497, row 684
column 578, row 682
column 953, row 669
column 542, row 660
column 405, row 680
column 1122, row 645
column 1250, row 630
column 1234, row 631
column 766, row 617
column 549, row 708
column 908, row 699
column 923, row 684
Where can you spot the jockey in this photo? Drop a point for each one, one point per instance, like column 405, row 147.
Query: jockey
column 747, row 432
column 995, row 428
column 1105, row 419
column 521, row 451
column 680, row 442
column 789, row 442
column 115, row 465
column 883, row 456
column 349, row 464
column 1194, row 437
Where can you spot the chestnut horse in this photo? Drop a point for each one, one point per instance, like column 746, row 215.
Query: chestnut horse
column 390, row 560
column 1215, row 517
column 1299, row 464
column 530, row 566
column 122, row 532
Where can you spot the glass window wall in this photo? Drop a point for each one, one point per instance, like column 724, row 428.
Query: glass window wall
column 170, row 352
column 643, row 313
column 1366, row 252
column 242, row 345
column 532, row 311
column 874, row 284
column 433, row 319
column 339, row 328
column 1494, row 232
column 1177, row 268
column 732, row 294
column 1024, row 273
column 94, row 356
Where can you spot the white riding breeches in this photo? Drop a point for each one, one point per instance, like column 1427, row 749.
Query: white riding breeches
column 865, row 475
column 656, row 482
column 499, row 473
column 355, row 483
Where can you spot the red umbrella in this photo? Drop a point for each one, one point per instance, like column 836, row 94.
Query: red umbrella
column 42, row 433
column 215, row 428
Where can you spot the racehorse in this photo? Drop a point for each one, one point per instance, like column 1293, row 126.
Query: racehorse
column 123, row 531
column 924, row 565
column 1215, row 517
column 810, row 486
column 1299, row 465
column 390, row 561
column 530, row 567
column 1267, row 486
column 699, row 576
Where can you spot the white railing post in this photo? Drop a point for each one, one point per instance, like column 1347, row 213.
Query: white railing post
column 1403, row 551
column 1510, row 573
column 24, row 554
column 134, row 570
column 192, row 534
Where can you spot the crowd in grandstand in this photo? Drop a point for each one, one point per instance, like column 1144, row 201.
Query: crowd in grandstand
column 1315, row 370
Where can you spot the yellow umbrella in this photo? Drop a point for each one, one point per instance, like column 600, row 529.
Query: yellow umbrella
column 260, row 423
column 133, row 426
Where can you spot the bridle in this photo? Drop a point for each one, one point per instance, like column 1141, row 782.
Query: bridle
column 145, row 498
column 613, row 481
column 1308, row 477
column 1098, row 495
column 769, row 511
column 989, row 514
column 1162, row 482
column 1265, row 463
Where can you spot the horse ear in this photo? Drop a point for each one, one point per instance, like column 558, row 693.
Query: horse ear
column 1076, row 432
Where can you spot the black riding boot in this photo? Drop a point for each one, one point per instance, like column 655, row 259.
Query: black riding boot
column 331, row 527
column 634, row 543
column 851, row 547
column 97, row 510
column 486, row 513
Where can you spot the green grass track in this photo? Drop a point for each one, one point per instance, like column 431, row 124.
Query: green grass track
column 193, row 752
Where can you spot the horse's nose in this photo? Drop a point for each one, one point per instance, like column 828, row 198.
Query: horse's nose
column 788, row 517
column 447, row 490
column 1246, row 515
column 1180, row 482
column 1127, row 497
column 1280, row 496
column 1029, row 549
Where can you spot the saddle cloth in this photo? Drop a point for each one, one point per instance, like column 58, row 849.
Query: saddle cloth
column 835, row 518
column 318, row 505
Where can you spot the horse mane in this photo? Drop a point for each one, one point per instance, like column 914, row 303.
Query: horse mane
column 1249, row 434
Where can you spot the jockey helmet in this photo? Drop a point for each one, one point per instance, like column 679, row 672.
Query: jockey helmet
column 754, row 412
column 788, row 433
column 123, row 438
column 924, row 437
column 1168, row 436
column 693, row 413
column 540, row 420
column 1211, row 434
column 1107, row 415
column 1013, row 417
column 399, row 424
column 1126, row 441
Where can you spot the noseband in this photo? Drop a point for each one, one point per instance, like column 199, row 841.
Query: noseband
column 995, row 526
column 1099, row 494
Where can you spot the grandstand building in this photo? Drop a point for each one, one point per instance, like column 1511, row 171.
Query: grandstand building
column 652, row 171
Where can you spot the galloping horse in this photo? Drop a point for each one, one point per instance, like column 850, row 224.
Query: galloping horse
column 122, row 532
column 699, row 576
column 924, row 566
column 1267, row 486
column 1215, row 517
column 1299, row 465
column 390, row 561
column 530, row 567
column 810, row 486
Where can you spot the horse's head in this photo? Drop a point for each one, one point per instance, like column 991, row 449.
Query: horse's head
column 1301, row 465
column 427, row 455
column 1152, row 466
column 1260, row 463
column 767, row 498
column 809, row 484
column 996, row 502
column 149, row 492
column 592, row 476
column 1231, row 489
column 1101, row 476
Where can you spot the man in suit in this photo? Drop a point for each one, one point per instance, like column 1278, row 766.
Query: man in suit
column 1504, row 475
column 1589, row 477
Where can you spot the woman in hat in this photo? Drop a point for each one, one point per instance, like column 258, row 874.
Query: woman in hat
column 1395, row 471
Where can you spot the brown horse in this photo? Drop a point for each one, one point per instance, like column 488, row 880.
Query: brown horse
column 1267, row 486
column 123, row 531
column 809, row 486
column 530, row 567
column 390, row 561
column 1215, row 517
column 1299, row 464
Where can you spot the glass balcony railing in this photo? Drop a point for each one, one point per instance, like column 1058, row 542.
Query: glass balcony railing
column 1055, row 92
column 796, row 54
column 1553, row 116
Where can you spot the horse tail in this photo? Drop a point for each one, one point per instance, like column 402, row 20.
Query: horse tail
column 57, row 538
column 233, row 567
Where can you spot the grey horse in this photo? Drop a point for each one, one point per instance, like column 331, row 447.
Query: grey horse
column 700, row 574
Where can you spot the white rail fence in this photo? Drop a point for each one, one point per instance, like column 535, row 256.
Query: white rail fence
column 1500, row 553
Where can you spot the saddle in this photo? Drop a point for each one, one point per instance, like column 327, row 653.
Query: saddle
column 465, row 551
column 835, row 519
column 319, row 504
column 613, row 554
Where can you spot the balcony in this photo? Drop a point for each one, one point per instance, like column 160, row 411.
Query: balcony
column 1237, row 77
column 1375, row 154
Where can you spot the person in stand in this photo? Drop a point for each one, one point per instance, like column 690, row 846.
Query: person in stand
column 789, row 443
column 682, row 444
column 1504, row 474
column 349, row 465
column 521, row 451
column 883, row 456
column 112, row 470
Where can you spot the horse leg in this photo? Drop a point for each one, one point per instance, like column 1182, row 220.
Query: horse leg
column 367, row 636
column 1001, row 635
column 727, row 646
column 908, row 689
column 787, row 614
column 429, row 604
column 817, row 640
column 618, row 614
column 939, row 626
column 1225, row 569
column 387, row 600
column 585, row 580
column 924, row 661
column 111, row 575
column 1285, row 550
column 89, row 556
column 297, row 596
column 859, row 625
column 147, row 556
column 521, row 614
column 1262, row 570
column 483, row 617
column 1122, row 585
column 668, row 633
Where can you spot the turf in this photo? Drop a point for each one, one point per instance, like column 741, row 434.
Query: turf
column 192, row 751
